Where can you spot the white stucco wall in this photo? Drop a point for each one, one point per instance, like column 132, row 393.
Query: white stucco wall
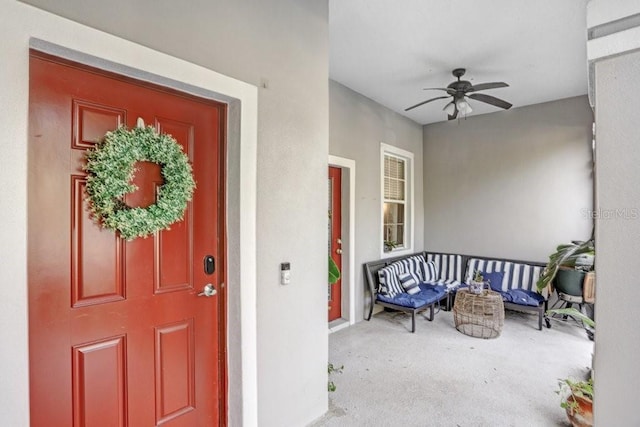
column 617, row 241
column 357, row 126
column 615, row 65
column 281, row 43
column 512, row 184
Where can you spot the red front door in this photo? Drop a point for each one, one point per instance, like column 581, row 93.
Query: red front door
column 335, row 239
column 118, row 335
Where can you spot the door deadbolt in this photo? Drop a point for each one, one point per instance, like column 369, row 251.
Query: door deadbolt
column 209, row 264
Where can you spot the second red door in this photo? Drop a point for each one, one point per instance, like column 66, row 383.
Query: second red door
column 335, row 239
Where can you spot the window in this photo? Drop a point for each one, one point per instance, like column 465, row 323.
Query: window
column 397, row 199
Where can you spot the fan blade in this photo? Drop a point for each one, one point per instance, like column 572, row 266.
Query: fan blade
column 424, row 102
column 490, row 100
column 454, row 115
column 446, row 89
column 485, row 86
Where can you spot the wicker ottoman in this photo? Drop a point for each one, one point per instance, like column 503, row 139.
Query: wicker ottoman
column 479, row 315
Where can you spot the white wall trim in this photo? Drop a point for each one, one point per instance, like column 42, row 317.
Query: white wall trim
column 601, row 13
column 348, row 167
column 21, row 24
column 613, row 44
column 392, row 149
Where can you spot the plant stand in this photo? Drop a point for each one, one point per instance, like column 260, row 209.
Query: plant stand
column 568, row 301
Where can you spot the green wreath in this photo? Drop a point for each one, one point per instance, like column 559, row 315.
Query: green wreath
column 111, row 165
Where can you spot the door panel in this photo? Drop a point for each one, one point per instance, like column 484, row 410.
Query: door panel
column 92, row 121
column 174, row 268
column 175, row 371
column 335, row 239
column 96, row 276
column 118, row 335
column 99, row 392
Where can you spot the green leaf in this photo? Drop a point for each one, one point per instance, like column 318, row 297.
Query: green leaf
column 565, row 256
column 331, row 369
column 573, row 312
column 334, row 272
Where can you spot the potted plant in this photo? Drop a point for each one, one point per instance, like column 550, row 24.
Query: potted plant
column 576, row 396
column 577, row 400
column 570, row 256
column 476, row 284
column 389, row 245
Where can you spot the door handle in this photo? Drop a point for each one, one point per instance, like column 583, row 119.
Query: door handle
column 208, row 291
column 339, row 251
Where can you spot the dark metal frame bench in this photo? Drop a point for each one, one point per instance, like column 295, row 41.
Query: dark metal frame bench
column 371, row 275
column 540, row 310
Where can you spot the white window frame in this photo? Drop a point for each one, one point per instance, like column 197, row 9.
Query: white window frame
column 407, row 156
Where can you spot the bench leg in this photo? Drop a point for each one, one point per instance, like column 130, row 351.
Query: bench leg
column 413, row 321
column 430, row 318
column 370, row 310
column 450, row 296
column 540, row 316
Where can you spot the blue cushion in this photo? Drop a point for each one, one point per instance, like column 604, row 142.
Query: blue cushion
column 494, row 279
column 428, row 295
column 522, row 297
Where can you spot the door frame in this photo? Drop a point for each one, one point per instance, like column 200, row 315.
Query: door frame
column 348, row 167
column 67, row 39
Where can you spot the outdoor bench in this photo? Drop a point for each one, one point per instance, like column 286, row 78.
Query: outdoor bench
column 414, row 283
column 420, row 281
column 514, row 280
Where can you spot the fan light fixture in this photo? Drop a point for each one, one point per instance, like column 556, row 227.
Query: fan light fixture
column 449, row 108
column 463, row 106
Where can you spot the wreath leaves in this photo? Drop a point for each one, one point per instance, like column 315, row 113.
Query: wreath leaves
column 111, row 166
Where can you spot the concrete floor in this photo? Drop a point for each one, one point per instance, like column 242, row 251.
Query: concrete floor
column 441, row 377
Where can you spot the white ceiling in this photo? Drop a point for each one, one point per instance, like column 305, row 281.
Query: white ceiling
column 389, row 50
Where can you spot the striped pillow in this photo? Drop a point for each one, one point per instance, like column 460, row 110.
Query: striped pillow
column 389, row 284
column 450, row 266
column 429, row 271
column 412, row 265
column 516, row 275
column 409, row 283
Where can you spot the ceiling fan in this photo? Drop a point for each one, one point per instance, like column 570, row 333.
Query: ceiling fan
column 460, row 90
